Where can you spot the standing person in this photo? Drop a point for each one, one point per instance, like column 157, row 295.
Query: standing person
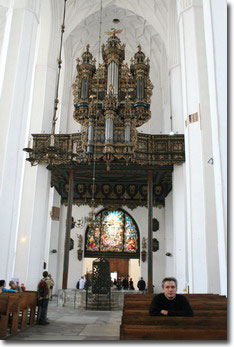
column 51, row 287
column 169, row 303
column 115, row 282
column 131, row 286
column 141, row 285
column 119, row 284
column 125, row 283
column 43, row 297
column 78, row 284
column 81, row 283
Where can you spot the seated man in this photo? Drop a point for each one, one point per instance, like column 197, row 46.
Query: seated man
column 169, row 303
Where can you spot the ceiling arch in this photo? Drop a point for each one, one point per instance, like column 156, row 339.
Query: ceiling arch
column 141, row 22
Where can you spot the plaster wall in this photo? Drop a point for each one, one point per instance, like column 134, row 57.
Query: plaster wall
column 134, row 271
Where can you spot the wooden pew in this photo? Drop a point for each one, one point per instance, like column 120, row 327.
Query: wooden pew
column 206, row 305
column 9, row 312
column 151, row 295
column 168, row 332
column 17, row 310
column 174, row 321
column 4, row 315
column 23, row 311
column 32, row 306
column 193, row 297
column 197, row 313
column 209, row 321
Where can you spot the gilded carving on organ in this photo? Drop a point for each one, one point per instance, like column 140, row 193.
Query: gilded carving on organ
column 122, row 97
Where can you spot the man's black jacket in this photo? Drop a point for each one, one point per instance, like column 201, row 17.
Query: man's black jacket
column 179, row 306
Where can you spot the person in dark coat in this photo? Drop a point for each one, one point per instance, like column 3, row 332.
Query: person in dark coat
column 125, row 283
column 131, row 286
column 169, row 303
column 119, row 284
column 141, row 285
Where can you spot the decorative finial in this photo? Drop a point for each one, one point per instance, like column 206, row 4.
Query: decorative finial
column 114, row 31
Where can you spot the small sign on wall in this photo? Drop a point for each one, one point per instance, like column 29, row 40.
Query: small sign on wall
column 191, row 118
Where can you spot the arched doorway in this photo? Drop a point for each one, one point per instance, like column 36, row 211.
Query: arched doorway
column 115, row 235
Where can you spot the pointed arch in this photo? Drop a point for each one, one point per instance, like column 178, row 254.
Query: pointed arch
column 115, row 234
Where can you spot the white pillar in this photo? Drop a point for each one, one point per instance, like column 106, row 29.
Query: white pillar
column 14, row 105
column 169, row 238
column 216, row 48
column 37, row 252
column 54, row 240
column 199, row 179
column 179, row 226
column 174, row 73
column 159, row 258
column 34, row 217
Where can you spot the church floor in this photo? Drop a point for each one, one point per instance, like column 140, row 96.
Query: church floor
column 67, row 324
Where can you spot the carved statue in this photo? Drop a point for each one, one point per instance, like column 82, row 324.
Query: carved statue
column 80, row 240
column 143, row 243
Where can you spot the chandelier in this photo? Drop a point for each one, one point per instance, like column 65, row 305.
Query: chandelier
column 90, row 219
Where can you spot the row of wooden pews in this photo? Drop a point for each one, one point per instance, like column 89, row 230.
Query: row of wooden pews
column 17, row 311
column 209, row 321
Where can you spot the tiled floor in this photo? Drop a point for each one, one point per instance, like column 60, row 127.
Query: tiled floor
column 67, row 324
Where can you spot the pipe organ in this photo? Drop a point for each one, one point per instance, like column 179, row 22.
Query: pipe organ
column 111, row 101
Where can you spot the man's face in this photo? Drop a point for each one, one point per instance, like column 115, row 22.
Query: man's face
column 169, row 290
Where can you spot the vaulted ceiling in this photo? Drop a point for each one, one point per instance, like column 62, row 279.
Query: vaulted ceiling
column 142, row 22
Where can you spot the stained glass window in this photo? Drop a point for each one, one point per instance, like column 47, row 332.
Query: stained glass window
column 113, row 231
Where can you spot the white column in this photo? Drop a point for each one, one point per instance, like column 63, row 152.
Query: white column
column 37, row 247
column 169, row 238
column 36, row 201
column 215, row 23
column 197, row 142
column 14, row 105
column 159, row 258
column 181, row 260
column 5, row 24
column 174, row 74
